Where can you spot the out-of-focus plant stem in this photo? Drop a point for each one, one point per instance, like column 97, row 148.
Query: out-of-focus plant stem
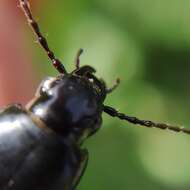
column 16, row 74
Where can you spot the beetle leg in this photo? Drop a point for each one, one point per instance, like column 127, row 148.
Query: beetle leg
column 115, row 85
column 77, row 59
column 82, row 167
column 82, row 71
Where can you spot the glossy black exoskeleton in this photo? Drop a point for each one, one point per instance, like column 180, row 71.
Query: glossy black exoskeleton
column 40, row 144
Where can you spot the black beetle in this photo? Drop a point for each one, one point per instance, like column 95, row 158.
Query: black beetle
column 40, row 145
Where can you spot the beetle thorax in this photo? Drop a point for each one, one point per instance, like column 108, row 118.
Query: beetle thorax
column 68, row 104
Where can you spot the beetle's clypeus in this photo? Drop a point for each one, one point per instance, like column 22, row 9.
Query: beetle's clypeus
column 40, row 144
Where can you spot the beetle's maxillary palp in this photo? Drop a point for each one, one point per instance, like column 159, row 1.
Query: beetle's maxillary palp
column 24, row 4
column 77, row 59
column 115, row 85
column 114, row 113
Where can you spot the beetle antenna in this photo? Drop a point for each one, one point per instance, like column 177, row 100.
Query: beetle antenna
column 115, row 85
column 77, row 59
column 114, row 113
column 24, row 4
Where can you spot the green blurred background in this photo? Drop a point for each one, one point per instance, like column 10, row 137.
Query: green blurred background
column 147, row 44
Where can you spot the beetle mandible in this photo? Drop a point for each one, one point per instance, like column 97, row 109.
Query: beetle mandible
column 40, row 144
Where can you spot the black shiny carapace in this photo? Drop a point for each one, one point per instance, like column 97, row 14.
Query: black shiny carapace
column 40, row 144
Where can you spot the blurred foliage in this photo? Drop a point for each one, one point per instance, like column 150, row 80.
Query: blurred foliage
column 147, row 44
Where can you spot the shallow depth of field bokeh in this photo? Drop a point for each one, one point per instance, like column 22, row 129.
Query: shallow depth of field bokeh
column 147, row 44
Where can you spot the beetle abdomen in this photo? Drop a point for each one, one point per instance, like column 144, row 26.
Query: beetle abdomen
column 33, row 158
